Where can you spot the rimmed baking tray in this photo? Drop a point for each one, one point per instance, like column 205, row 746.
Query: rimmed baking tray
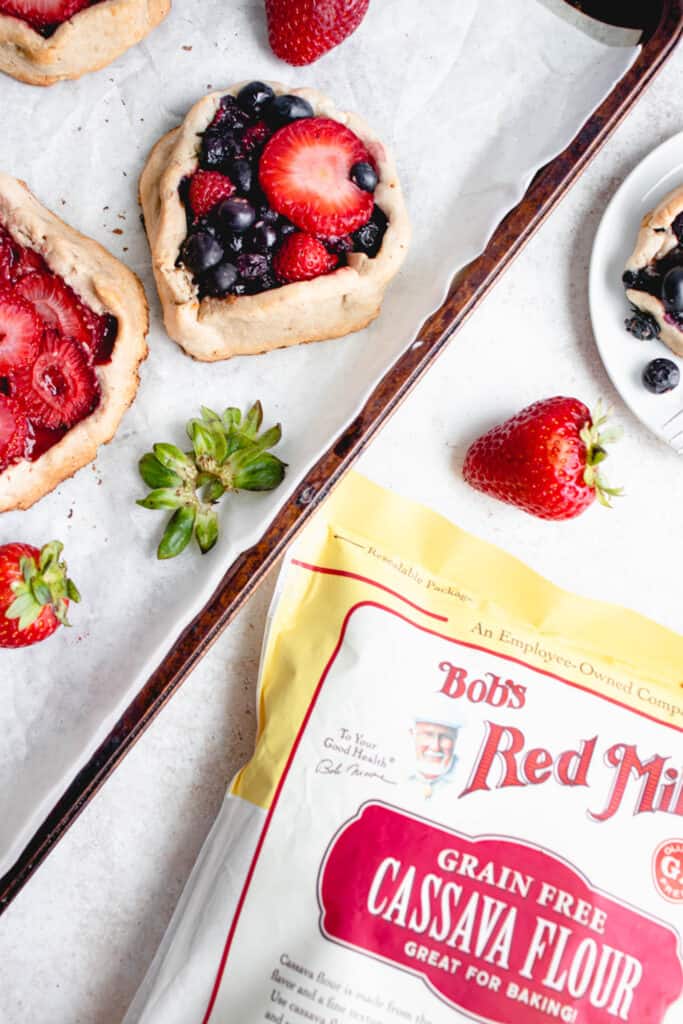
column 662, row 24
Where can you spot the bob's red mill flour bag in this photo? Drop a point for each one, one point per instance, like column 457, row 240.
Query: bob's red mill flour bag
column 465, row 802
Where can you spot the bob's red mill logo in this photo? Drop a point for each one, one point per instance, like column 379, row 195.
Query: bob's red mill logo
column 646, row 782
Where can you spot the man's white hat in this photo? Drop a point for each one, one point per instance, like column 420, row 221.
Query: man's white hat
column 439, row 709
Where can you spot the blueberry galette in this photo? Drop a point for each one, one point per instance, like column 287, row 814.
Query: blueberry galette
column 273, row 219
column 653, row 277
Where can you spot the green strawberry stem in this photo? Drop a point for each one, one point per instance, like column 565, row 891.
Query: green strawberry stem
column 228, row 454
column 596, row 438
column 44, row 585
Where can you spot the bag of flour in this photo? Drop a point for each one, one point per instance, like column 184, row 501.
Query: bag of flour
column 465, row 801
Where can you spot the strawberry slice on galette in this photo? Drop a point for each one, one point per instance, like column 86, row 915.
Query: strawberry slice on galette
column 273, row 219
column 73, row 322
column 46, row 41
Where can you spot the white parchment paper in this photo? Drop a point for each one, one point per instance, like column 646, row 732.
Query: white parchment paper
column 473, row 96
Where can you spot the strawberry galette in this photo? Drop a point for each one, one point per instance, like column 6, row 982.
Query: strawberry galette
column 273, row 219
column 45, row 41
column 73, row 322
column 653, row 277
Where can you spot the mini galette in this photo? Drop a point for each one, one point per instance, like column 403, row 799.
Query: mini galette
column 73, row 322
column 273, row 219
column 45, row 41
column 653, row 277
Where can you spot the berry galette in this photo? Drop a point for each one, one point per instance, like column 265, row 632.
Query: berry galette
column 73, row 322
column 653, row 277
column 45, row 41
column 273, row 219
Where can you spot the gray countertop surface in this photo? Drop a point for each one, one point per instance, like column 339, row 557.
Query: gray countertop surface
column 76, row 942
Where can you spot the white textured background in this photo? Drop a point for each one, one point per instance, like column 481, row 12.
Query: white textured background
column 76, row 942
column 442, row 86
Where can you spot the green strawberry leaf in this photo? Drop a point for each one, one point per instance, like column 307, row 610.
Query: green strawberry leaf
column 178, row 532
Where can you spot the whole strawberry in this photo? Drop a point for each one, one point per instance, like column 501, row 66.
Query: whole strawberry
column 302, row 257
column 301, row 31
column 544, row 460
column 35, row 592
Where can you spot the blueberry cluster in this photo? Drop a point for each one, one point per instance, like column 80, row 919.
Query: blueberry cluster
column 664, row 280
column 230, row 251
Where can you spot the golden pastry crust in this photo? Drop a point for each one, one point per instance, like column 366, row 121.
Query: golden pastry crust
column 93, row 38
column 326, row 307
column 106, row 285
column 656, row 238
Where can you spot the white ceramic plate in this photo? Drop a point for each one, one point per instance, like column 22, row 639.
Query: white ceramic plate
column 623, row 355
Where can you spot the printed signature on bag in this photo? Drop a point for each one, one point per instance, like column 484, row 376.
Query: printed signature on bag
column 326, row 766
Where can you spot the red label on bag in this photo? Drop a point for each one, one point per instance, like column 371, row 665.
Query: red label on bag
column 501, row 929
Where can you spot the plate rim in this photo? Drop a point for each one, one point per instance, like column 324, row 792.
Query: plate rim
column 596, row 263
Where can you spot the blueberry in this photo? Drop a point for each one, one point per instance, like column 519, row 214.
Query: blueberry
column 368, row 238
column 232, row 114
column 241, row 174
column 232, row 242
column 253, row 97
column 284, row 109
column 261, row 237
column 220, row 146
column 661, row 375
column 672, row 289
column 641, row 325
column 235, row 214
column 285, row 228
column 339, row 245
column 365, row 176
column 264, row 283
column 647, row 279
column 206, row 224
column 266, row 213
column 219, row 280
column 252, row 265
column 200, row 251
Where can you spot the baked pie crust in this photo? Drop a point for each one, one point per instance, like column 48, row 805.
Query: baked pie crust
column 327, row 307
column 656, row 239
column 107, row 286
column 91, row 39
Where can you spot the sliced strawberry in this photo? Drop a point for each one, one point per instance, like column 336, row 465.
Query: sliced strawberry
column 41, row 13
column 61, row 387
column 55, row 303
column 305, row 173
column 42, row 438
column 28, row 262
column 20, row 331
column 207, row 188
column 303, row 257
column 7, row 256
column 13, row 430
column 102, row 331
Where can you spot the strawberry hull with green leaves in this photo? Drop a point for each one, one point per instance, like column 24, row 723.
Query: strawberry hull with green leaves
column 35, row 592
column 229, row 454
column 545, row 459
